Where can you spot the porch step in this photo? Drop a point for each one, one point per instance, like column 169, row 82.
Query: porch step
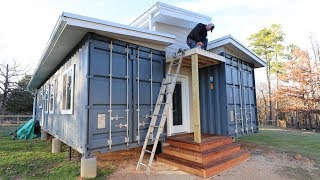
column 204, row 157
column 185, row 141
column 205, row 170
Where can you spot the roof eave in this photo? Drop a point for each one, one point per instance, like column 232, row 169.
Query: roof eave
column 88, row 24
column 230, row 39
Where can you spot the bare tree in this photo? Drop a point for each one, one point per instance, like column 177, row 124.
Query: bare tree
column 9, row 75
column 262, row 105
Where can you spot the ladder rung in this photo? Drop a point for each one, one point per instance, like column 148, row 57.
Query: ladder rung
column 154, row 126
column 148, row 151
column 143, row 164
column 175, row 64
column 168, row 83
column 171, row 74
column 165, row 93
column 161, row 103
column 154, row 115
column 157, row 114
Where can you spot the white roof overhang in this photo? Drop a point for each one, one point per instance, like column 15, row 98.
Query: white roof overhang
column 167, row 14
column 71, row 28
column 235, row 46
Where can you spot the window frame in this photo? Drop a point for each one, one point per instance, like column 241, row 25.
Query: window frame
column 64, row 91
column 52, row 94
column 46, row 99
column 40, row 98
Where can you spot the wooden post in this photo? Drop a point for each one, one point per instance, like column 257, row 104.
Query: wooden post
column 195, row 98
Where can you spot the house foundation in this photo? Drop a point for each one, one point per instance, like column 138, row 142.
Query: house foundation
column 44, row 135
column 56, row 145
column 88, row 167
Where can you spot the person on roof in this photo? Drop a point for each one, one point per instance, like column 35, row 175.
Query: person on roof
column 198, row 36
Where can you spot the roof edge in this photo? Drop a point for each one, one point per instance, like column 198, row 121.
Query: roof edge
column 236, row 42
column 156, row 7
column 55, row 34
column 66, row 19
column 109, row 23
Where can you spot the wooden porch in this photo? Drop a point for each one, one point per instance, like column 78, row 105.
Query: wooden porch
column 213, row 155
column 198, row 58
column 201, row 154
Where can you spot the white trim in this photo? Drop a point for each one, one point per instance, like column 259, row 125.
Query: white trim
column 54, row 90
column 70, row 28
column 231, row 40
column 46, row 98
column 200, row 52
column 185, row 127
column 68, row 111
column 161, row 8
column 93, row 23
column 40, row 98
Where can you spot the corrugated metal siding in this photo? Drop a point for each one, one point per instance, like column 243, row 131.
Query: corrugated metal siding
column 240, row 96
column 212, row 101
column 231, row 106
column 69, row 128
column 137, row 98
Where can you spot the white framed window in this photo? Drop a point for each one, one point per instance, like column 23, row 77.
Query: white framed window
column 46, row 99
column 40, row 98
column 67, row 95
column 52, row 97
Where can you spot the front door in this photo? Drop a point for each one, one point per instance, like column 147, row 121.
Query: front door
column 179, row 107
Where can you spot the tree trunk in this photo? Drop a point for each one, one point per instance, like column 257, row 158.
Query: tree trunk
column 270, row 104
column 310, row 121
column 269, row 88
column 265, row 109
column 296, row 121
column 6, row 91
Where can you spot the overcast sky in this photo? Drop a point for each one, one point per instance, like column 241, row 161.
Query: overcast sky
column 26, row 25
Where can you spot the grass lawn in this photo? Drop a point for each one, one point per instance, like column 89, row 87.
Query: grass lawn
column 32, row 159
column 296, row 142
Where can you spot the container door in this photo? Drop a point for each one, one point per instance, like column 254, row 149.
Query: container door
column 240, row 96
column 148, row 69
column 110, row 94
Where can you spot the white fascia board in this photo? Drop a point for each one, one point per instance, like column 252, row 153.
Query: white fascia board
column 97, row 24
column 183, row 14
column 87, row 24
column 230, row 39
column 145, row 16
column 56, row 33
column 166, row 9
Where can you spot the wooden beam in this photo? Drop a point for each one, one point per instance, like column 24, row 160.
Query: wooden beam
column 195, row 98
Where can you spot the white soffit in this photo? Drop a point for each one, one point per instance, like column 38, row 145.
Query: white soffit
column 71, row 28
column 167, row 14
column 234, row 45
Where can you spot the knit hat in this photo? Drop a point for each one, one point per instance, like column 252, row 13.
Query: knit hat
column 211, row 26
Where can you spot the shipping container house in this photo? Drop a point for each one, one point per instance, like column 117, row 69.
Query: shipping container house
column 223, row 100
column 98, row 81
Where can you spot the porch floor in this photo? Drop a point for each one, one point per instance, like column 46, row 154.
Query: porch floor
column 208, row 158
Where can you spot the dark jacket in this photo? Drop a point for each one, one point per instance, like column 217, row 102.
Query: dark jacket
column 198, row 33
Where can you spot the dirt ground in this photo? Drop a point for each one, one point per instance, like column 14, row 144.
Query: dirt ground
column 262, row 165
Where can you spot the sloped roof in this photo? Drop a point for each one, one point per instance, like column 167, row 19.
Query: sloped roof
column 71, row 28
column 234, row 45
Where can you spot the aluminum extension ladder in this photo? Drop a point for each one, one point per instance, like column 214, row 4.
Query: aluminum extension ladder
column 167, row 88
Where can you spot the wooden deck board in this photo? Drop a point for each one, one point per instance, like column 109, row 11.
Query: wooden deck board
column 205, row 58
column 207, row 170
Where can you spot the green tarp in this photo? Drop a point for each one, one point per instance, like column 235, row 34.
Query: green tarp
column 26, row 131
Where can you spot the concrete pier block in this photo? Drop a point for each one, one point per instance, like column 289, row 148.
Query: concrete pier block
column 44, row 135
column 89, row 167
column 56, row 145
